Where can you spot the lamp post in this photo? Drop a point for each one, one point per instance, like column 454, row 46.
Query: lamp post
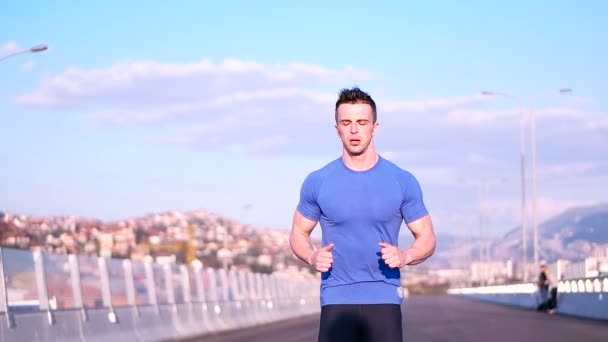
column 522, row 142
column 522, row 171
column 483, row 186
column 37, row 48
column 533, row 146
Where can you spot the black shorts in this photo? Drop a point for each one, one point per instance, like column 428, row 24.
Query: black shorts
column 361, row 322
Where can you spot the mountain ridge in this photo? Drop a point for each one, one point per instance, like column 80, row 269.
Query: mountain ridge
column 574, row 234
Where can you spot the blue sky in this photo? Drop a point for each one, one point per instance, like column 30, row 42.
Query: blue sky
column 139, row 107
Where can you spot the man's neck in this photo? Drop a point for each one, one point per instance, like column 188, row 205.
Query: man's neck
column 362, row 162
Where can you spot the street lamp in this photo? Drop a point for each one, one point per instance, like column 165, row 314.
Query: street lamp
column 533, row 145
column 484, row 248
column 534, row 190
column 522, row 141
column 37, row 48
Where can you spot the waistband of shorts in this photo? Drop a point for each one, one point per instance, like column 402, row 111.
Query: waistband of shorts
column 371, row 292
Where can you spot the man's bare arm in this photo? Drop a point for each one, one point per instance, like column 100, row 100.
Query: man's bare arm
column 299, row 238
column 424, row 244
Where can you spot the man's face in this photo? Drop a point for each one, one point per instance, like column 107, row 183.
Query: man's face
column 355, row 126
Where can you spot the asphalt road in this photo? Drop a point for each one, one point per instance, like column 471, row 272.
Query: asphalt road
column 444, row 318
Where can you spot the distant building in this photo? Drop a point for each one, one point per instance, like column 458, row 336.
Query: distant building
column 492, row 272
column 586, row 268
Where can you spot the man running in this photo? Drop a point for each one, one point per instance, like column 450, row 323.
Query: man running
column 360, row 200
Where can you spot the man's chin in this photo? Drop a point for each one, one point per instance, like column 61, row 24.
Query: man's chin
column 355, row 152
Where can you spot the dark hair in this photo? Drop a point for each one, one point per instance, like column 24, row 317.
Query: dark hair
column 355, row 95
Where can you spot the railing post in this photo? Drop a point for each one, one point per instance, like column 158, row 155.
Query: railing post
column 201, row 297
column 253, row 297
column 169, row 285
column 185, row 283
column 151, row 287
column 77, row 285
column 106, row 294
column 261, row 294
column 245, row 297
column 235, row 287
column 43, row 296
column 223, row 277
column 4, row 306
column 127, row 266
column 215, row 298
column 274, row 292
column 185, row 279
column 198, row 283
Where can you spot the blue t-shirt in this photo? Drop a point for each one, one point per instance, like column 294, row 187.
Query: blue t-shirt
column 357, row 210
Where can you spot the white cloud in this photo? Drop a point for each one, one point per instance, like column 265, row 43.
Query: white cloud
column 568, row 169
column 476, row 158
column 404, row 153
column 232, row 103
column 546, row 207
column 133, row 84
column 554, row 113
column 270, row 141
column 190, row 134
column 433, row 104
column 473, row 117
column 28, row 65
column 455, row 222
column 8, row 48
column 507, row 212
column 219, row 104
column 583, row 101
column 389, row 154
column 549, row 207
column 598, row 123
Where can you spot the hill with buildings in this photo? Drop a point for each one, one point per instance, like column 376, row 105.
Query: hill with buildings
column 214, row 240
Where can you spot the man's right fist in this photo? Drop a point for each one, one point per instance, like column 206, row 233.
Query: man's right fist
column 322, row 259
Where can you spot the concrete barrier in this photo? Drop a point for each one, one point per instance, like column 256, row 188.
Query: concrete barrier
column 40, row 326
column 104, row 325
column 150, row 325
column 585, row 298
column 589, row 305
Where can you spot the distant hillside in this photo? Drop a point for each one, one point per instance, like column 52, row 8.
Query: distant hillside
column 573, row 234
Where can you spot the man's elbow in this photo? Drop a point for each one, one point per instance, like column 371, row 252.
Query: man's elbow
column 433, row 244
column 292, row 240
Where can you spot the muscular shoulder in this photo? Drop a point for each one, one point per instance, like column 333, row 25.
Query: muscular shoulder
column 404, row 177
column 315, row 179
column 412, row 206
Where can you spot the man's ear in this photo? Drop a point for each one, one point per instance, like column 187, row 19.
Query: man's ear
column 376, row 126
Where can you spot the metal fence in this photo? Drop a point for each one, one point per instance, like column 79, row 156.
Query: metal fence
column 48, row 297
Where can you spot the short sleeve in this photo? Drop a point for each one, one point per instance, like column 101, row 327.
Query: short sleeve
column 308, row 205
column 413, row 207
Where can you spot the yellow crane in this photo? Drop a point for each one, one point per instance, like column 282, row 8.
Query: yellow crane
column 184, row 251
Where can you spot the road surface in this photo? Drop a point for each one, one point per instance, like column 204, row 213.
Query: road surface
column 444, row 318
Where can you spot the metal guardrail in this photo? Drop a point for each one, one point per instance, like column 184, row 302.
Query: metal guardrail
column 49, row 297
column 585, row 297
column 582, row 285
